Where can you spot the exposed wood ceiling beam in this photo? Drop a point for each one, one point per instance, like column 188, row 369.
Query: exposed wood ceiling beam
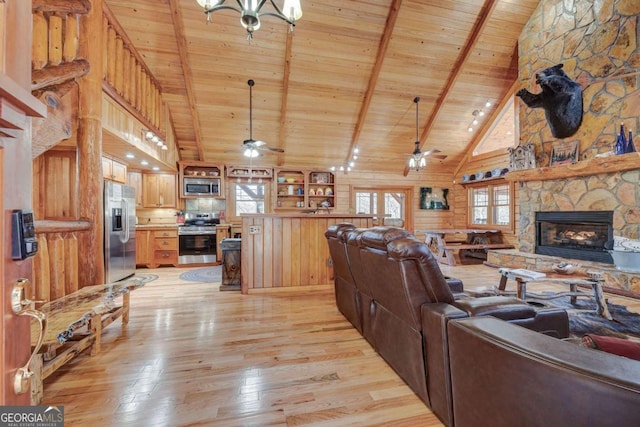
column 456, row 71
column 178, row 27
column 375, row 73
column 282, row 143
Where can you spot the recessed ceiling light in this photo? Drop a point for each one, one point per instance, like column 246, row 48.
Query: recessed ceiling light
column 144, row 163
column 155, row 168
column 130, row 156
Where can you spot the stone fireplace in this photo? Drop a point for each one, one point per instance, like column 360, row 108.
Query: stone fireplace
column 574, row 234
column 583, row 204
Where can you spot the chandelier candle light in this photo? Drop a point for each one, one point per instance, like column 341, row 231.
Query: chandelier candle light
column 250, row 13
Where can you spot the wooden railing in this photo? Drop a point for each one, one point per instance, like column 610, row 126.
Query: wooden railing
column 55, row 266
column 54, row 58
column 127, row 78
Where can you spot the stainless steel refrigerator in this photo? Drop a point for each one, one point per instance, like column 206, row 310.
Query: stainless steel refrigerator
column 119, row 231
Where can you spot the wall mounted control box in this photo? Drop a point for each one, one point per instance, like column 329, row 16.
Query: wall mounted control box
column 23, row 234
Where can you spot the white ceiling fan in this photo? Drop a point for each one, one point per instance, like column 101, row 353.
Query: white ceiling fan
column 250, row 147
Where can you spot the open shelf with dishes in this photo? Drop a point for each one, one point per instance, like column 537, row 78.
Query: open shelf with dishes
column 249, row 172
column 304, row 190
column 321, row 190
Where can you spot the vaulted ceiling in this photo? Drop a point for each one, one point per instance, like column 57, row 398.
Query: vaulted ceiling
column 345, row 77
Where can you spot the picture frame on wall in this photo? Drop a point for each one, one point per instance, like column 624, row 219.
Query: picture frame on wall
column 564, row 153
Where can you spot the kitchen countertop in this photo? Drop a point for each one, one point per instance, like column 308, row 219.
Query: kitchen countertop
column 150, row 226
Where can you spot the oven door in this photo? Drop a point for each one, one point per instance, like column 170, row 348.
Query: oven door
column 197, row 248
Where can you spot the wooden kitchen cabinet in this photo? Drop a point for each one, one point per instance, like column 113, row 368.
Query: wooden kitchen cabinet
column 165, row 247
column 113, row 170
column 159, row 190
column 156, row 247
column 134, row 179
column 143, row 255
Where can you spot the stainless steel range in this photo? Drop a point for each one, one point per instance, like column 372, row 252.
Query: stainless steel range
column 197, row 238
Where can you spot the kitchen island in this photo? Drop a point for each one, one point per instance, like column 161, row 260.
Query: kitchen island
column 281, row 251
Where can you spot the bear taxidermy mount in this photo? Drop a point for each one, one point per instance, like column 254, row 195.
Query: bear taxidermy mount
column 561, row 99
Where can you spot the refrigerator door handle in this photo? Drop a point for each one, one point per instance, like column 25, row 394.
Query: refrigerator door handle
column 124, row 234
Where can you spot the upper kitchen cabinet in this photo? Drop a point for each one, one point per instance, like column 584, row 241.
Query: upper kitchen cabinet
column 113, row 170
column 201, row 179
column 159, row 190
column 134, row 179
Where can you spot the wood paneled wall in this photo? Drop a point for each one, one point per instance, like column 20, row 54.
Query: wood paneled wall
column 55, row 266
column 55, row 193
column 433, row 177
column 288, row 250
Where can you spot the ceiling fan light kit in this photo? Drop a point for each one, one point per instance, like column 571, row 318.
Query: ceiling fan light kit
column 251, row 148
column 250, row 12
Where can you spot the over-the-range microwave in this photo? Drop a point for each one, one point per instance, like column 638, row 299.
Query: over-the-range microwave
column 202, row 187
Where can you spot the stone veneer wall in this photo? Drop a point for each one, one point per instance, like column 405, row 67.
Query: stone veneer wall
column 616, row 192
column 598, row 43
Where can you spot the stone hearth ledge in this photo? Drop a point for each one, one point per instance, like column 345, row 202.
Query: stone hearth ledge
column 616, row 281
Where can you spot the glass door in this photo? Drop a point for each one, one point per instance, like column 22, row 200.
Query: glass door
column 388, row 205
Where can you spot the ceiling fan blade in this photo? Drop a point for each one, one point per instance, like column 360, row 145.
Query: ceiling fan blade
column 439, row 156
column 430, row 152
column 259, row 143
column 277, row 150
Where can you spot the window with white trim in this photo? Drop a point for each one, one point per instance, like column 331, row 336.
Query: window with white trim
column 491, row 205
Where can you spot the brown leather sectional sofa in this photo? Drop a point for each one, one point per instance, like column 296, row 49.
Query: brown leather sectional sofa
column 390, row 287
column 504, row 375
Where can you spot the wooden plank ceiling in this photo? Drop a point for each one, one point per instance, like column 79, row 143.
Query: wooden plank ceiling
column 346, row 77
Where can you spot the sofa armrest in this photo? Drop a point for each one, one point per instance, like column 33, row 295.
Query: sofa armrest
column 505, row 308
column 435, row 317
column 456, row 285
column 501, row 368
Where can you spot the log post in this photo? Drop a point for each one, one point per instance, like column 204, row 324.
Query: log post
column 91, row 266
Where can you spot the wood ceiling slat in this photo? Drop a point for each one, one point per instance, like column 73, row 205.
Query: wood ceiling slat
column 332, row 59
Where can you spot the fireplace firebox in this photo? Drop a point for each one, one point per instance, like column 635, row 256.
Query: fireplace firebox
column 575, row 234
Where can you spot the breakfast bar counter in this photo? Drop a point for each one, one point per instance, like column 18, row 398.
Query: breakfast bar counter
column 279, row 251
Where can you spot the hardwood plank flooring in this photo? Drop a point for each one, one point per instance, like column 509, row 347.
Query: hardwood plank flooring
column 195, row 356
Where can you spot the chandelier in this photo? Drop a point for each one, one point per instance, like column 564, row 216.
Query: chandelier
column 249, row 11
column 417, row 160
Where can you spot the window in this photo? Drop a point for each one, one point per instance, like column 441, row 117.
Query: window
column 491, row 205
column 502, row 131
column 249, row 198
column 389, row 204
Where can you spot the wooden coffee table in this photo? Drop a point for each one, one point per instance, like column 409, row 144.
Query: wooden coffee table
column 573, row 281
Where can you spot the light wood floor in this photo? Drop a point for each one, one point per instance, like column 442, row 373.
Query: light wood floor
column 195, row 356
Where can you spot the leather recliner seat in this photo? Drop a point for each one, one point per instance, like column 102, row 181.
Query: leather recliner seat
column 405, row 303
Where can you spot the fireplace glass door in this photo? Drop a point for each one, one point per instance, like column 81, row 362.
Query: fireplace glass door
column 579, row 235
